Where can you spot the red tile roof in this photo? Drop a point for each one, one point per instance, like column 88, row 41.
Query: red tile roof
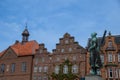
column 27, row 48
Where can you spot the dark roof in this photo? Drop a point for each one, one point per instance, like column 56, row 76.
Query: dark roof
column 117, row 40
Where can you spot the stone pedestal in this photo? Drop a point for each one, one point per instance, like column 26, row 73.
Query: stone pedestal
column 93, row 77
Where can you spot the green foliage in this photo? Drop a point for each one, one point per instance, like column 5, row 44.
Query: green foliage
column 61, row 75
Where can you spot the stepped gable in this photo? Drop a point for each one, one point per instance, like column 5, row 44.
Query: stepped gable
column 67, row 44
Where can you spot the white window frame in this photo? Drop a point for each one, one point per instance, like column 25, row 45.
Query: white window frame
column 62, row 50
column 110, row 57
column 57, row 68
column 45, row 68
column 35, row 68
column 65, row 69
column 40, row 68
column 74, row 69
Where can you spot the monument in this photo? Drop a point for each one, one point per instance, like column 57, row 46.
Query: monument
column 94, row 59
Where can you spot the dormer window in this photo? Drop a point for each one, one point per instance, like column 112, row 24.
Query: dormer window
column 66, row 41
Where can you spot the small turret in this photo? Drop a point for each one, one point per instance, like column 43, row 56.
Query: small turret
column 25, row 35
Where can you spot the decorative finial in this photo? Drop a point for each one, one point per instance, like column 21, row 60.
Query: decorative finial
column 109, row 33
column 26, row 25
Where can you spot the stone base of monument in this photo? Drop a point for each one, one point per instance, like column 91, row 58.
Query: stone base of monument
column 93, row 77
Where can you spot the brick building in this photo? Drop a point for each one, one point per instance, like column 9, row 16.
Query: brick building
column 45, row 64
column 110, row 57
column 17, row 60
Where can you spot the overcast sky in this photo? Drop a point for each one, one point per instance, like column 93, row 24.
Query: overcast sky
column 49, row 20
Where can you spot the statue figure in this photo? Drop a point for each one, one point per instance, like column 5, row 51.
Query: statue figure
column 95, row 61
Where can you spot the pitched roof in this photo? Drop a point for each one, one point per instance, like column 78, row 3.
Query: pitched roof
column 25, row 49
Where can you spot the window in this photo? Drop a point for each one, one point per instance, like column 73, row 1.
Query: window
column 110, row 73
column 36, row 61
column 74, row 69
column 13, row 67
column 74, row 58
column 65, row 70
column 45, row 78
column 57, row 69
column 39, row 78
column 66, row 41
column 43, row 59
column 110, row 57
column 110, row 44
column 119, row 57
column 62, row 50
column 35, row 78
column 40, row 69
column 7, row 68
column 70, row 49
column 41, row 51
column 24, row 66
column 58, row 59
column 66, row 57
column 35, row 68
column 2, row 68
column 102, row 58
column 46, row 69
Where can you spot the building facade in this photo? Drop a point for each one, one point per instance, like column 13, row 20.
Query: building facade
column 68, row 57
column 110, row 57
column 17, row 60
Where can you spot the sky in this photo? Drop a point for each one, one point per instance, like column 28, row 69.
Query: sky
column 49, row 20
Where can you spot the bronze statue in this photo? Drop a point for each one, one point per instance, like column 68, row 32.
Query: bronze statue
column 94, row 49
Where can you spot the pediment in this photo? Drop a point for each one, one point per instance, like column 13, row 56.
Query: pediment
column 8, row 54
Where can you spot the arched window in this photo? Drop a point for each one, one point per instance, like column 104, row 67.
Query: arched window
column 57, row 69
column 74, row 69
column 65, row 69
column 110, row 73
